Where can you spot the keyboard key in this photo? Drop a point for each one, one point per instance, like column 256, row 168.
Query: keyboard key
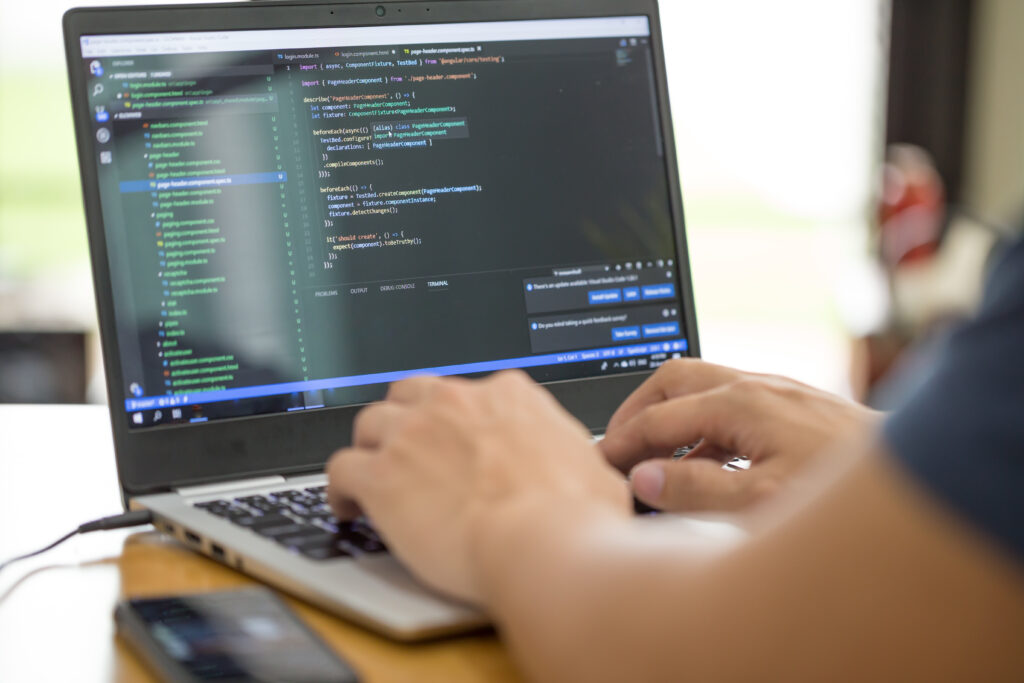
column 323, row 552
column 213, row 504
column 307, row 536
column 288, row 494
column 320, row 547
column 262, row 521
column 263, row 504
column 354, row 537
column 253, row 500
column 368, row 545
column 289, row 529
column 330, row 525
column 324, row 517
column 317, row 511
column 362, row 526
column 295, row 495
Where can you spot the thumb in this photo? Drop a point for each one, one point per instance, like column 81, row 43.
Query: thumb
column 699, row 484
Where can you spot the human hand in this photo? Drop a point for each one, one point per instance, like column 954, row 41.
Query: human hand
column 778, row 423
column 443, row 463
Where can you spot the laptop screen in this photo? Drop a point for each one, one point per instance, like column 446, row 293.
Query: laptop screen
column 295, row 218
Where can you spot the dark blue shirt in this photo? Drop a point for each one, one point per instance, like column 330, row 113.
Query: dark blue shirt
column 961, row 433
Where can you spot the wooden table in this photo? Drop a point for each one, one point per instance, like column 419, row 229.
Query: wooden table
column 56, row 471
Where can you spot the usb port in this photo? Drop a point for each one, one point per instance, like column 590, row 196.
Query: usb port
column 192, row 538
column 218, row 552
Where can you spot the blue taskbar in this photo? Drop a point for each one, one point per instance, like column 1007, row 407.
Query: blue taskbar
column 240, row 393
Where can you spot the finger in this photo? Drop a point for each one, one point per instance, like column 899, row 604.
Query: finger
column 518, row 380
column 414, row 389
column 714, row 416
column 344, row 509
column 697, row 485
column 348, row 480
column 376, row 422
column 514, row 380
column 706, row 449
column 673, row 379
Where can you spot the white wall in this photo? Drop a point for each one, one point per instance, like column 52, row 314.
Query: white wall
column 994, row 150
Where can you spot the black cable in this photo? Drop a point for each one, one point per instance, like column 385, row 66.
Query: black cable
column 122, row 521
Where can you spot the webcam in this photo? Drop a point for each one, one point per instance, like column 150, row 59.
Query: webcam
column 381, row 10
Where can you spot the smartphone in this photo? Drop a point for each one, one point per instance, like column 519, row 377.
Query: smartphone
column 235, row 636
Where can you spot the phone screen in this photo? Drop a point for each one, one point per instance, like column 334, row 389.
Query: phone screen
column 246, row 635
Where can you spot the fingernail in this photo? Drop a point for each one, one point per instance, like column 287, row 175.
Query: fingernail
column 648, row 480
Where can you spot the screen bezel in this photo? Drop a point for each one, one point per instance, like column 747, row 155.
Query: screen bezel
column 160, row 458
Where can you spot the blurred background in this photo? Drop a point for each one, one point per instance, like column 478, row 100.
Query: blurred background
column 849, row 168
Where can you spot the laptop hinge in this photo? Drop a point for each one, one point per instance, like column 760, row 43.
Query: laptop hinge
column 225, row 486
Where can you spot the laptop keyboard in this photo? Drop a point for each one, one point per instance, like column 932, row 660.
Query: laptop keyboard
column 300, row 520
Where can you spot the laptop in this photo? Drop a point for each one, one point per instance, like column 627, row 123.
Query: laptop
column 292, row 205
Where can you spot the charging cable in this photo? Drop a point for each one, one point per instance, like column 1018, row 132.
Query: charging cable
column 122, row 521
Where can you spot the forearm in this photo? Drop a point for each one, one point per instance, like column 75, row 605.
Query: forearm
column 868, row 580
column 580, row 595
